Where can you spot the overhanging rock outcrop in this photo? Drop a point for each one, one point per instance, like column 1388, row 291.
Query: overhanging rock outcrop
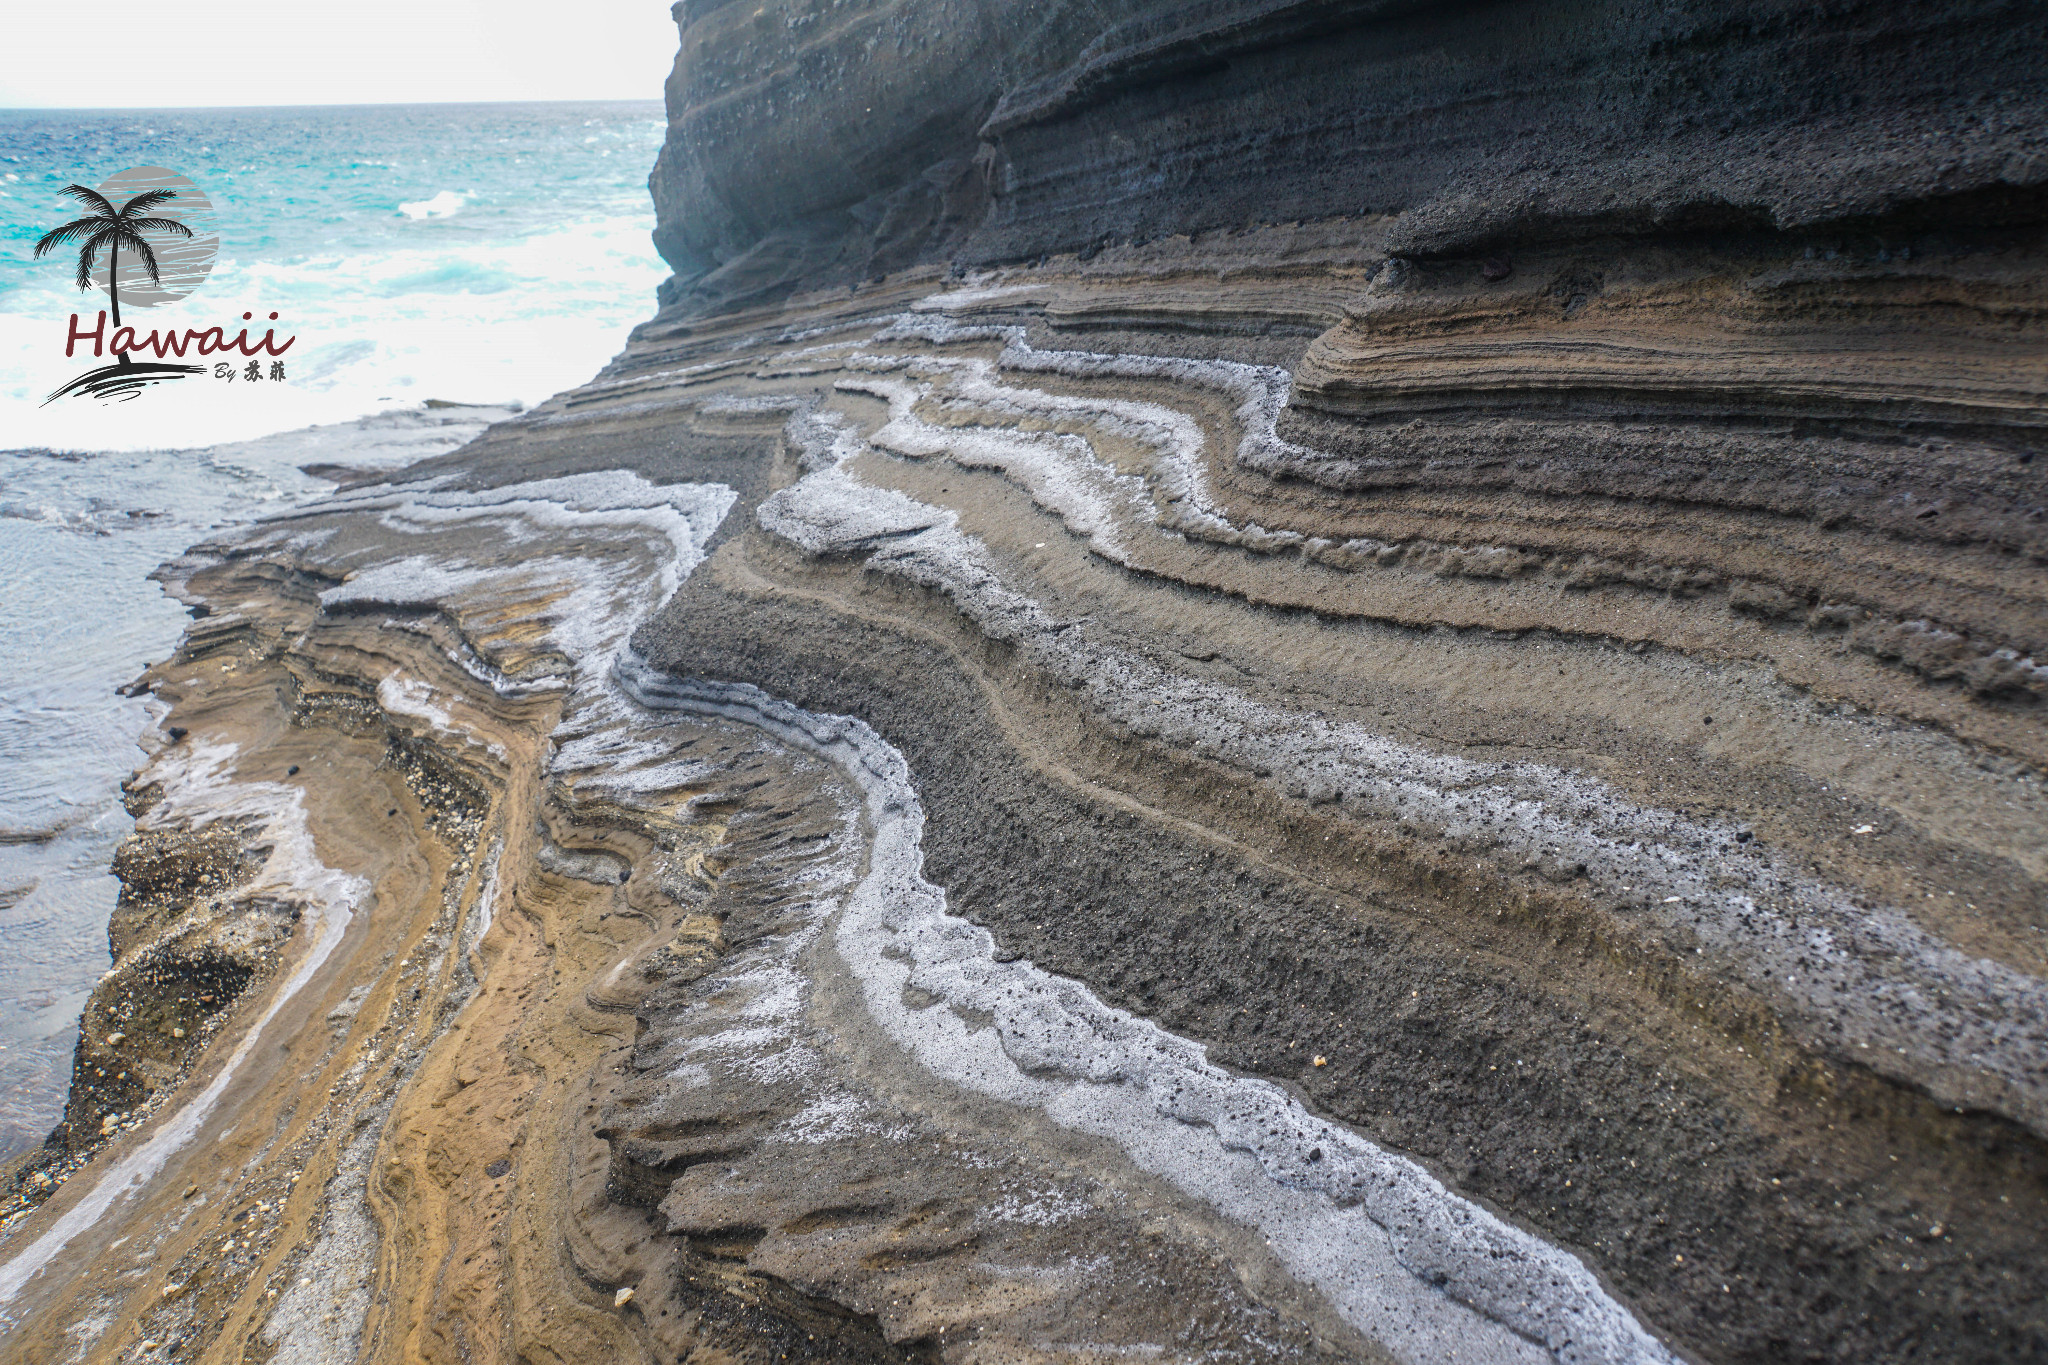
column 829, row 140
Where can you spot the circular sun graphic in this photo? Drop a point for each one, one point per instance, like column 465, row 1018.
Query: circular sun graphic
column 182, row 263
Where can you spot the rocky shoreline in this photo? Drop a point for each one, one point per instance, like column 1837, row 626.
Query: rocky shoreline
column 1523, row 939
column 1027, row 777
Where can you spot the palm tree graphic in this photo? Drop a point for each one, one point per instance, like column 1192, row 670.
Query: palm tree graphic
column 112, row 228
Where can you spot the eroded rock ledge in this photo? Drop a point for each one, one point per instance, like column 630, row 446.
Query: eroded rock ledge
column 1388, row 947
column 1094, row 744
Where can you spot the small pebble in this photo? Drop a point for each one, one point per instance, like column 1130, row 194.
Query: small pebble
column 623, row 1297
column 114, row 1038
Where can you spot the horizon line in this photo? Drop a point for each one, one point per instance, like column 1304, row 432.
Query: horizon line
column 349, row 104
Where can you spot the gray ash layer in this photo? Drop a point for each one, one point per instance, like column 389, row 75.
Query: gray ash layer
column 814, row 144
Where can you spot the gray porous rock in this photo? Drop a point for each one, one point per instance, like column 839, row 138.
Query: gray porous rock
column 831, row 140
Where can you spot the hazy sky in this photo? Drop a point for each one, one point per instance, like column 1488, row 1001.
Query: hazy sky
column 152, row 54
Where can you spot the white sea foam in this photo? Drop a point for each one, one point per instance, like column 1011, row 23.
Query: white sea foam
column 446, row 204
column 467, row 319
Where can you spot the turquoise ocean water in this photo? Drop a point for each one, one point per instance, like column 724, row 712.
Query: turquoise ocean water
column 480, row 254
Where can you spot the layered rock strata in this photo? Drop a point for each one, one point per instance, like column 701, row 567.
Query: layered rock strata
column 1284, row 774
column 810, row 1145
column 1250, row 682
column 832, row 140
column 1077, row 891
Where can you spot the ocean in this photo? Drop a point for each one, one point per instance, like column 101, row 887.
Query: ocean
column 438, row 265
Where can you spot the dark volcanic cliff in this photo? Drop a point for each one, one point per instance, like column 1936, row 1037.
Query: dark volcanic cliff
column 816, row 142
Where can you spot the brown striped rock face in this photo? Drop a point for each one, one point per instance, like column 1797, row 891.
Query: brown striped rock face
column 1086, row 749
